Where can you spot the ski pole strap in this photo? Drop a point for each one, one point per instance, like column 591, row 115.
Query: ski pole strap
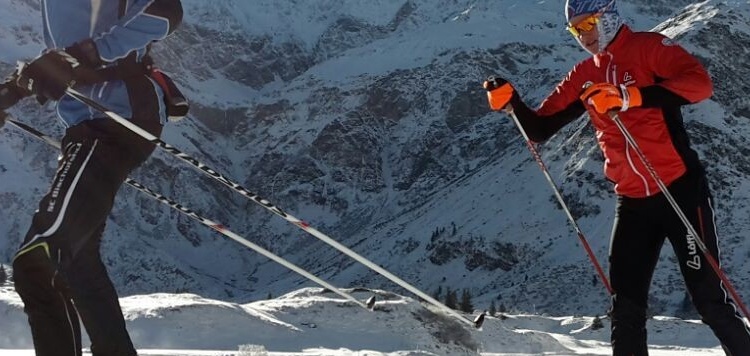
column 177, row 105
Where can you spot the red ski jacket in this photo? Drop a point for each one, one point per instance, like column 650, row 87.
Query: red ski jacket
column 667, row 76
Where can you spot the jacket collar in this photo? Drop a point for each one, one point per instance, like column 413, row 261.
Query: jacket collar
column 622, row 36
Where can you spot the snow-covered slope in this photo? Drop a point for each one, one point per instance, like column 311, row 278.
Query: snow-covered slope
column 311, row 321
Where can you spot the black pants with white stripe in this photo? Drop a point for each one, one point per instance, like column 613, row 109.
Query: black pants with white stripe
column 641, row 225
column 58, row 270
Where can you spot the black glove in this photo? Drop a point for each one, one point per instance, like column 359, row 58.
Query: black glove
column 49, row 75
column 10, row 93
column 86, row 53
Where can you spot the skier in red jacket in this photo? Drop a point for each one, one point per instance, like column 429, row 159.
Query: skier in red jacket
column 645, row 78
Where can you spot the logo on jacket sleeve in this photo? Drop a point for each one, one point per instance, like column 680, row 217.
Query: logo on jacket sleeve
column 627, row 79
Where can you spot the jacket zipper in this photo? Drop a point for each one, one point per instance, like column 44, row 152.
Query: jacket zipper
column 612, row 78
column 632, row 166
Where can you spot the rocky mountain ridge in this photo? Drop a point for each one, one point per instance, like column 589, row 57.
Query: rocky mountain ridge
column 366, row 118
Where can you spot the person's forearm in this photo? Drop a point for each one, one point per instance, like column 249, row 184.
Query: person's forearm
column 539, row 128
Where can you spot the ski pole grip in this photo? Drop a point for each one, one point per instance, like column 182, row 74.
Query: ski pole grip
column 494, row 82
column 499, row 92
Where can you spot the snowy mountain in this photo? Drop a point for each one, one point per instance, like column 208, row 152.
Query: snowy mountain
column 366, row 119
column 311, row 321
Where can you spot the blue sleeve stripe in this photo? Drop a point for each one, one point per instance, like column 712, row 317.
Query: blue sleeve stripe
column 47, row 26
column 134, row 34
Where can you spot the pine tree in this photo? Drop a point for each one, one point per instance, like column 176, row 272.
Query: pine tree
column 502, row 310
column 451, row 299
column 466, row 305
column 3, row 275
column 438, row 293
column 493, row 309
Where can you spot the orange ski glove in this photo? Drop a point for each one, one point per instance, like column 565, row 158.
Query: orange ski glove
column 605, row 97
column 499, row 92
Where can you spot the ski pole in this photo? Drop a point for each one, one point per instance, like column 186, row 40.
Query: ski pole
column 691, row 230
column 581, row 237
column 265, row 203
column 205, row 221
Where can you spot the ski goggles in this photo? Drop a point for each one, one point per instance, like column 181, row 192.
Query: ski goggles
column 585, row 25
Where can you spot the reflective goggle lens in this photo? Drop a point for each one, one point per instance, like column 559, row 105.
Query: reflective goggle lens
column 584, row 25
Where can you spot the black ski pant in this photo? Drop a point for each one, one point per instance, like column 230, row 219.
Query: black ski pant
column 641, row 225
column 58, row 270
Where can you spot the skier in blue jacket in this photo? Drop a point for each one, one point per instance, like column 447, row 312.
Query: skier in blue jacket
column 100, row 48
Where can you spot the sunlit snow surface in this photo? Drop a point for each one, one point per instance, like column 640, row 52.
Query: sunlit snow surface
column 312, row 321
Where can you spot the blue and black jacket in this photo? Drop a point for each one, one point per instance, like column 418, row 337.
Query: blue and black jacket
column 120, row 30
